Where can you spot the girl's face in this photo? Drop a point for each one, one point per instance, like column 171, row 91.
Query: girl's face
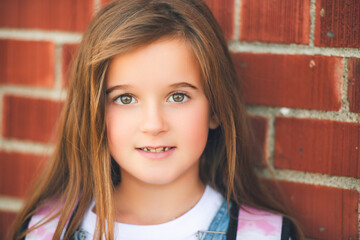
column 157, row 115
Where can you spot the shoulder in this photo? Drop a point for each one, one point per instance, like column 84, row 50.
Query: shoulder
column 259, row 224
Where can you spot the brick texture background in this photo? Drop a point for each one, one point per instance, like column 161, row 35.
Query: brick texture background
column 299, row 64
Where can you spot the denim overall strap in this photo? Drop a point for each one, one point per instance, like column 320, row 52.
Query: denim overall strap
column 219, row 225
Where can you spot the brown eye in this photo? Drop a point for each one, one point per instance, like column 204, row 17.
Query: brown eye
column 125, row 99
column 178, row 97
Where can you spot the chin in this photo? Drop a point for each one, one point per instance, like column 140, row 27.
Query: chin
column 159, row 179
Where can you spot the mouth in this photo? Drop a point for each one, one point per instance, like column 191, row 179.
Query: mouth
column 155, row 149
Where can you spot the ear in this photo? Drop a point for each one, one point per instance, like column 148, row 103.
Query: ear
column 213, row 122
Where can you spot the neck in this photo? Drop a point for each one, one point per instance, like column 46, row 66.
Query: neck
column 141, row 203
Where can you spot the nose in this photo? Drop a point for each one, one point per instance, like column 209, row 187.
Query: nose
column 153, row 120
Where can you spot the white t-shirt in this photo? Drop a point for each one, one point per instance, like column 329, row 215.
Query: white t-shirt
column 184, row 227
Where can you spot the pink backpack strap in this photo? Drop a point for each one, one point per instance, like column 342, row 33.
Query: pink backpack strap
column 46, row 231
column 257, row 224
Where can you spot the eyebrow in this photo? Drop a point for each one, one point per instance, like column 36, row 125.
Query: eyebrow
column 123, row 86
column 183, row 84
column 174, row 85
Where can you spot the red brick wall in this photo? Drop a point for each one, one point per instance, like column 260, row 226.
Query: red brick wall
column 298, row 61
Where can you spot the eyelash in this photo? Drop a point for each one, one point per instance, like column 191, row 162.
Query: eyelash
column 118, row 98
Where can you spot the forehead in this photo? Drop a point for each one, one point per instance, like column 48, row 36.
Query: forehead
column 166, row 60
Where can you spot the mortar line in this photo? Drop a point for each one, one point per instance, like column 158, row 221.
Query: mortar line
column 34, row 92
column 344, row 87
column 237, row 20
column 312, row 22
column 304, row 113
column 313, row 178
column 10, row 204
column 291, row 49
column 97, row 6
column 26, row 146
column 40, row 35
column 271, row 141
column 58, row 66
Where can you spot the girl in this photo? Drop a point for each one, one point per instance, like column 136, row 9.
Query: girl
column 154, row 138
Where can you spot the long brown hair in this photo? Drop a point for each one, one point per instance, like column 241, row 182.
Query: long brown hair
column 81, row 169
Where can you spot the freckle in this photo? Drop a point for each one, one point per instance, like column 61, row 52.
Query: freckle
column 330, row 34
column 243, row 64
column 300, row 150
column 322, row 12
column 322, row 229
column 312, row 63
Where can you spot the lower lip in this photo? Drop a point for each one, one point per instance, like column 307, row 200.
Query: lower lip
column 156, row 155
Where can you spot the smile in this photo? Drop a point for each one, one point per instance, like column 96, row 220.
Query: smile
column 156, row 150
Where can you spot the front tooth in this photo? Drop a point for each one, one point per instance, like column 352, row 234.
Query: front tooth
column 156, row 150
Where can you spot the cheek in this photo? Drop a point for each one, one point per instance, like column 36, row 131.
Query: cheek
column 118, row 127
column 193, row 125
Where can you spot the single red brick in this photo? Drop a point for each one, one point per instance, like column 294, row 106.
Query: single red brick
column 321, row 146
column 30, row 118
column 18, row 171
column 68, row 54
column 275, row 21
column 299, row 81
column 224, row 14
column 323, row 212
column 337, row 23
column 27, row 63
column 66, row 15
column 104, row 2
column 354, row 84
column 260, row 142
column 6, row 220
